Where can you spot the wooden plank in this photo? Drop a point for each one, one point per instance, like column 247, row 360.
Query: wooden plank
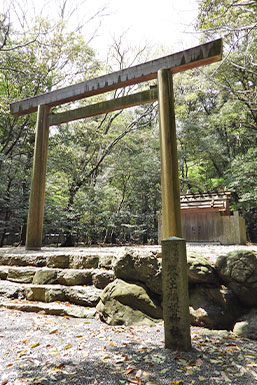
column 104, row 107
column 180, row 61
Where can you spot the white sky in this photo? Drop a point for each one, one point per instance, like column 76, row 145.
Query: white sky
column 165, row 23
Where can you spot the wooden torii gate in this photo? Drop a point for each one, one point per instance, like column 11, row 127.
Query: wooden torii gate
column 175, row 293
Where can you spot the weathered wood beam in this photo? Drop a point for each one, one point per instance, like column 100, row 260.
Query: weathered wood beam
column 104, row 107
column 177, row 62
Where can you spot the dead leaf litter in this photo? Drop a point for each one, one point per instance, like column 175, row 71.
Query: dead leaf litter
column 45, row 350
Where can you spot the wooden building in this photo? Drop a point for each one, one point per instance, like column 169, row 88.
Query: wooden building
column 206, row 217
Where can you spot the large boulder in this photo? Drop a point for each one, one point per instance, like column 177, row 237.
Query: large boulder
column 214, row 308
column 139, row 266
column 238, row 270
column 101, row 278
column 200, row 270
column 71, row 277
column 84, row 296
column 247, row 326
column 45, row 276
column 124, row 303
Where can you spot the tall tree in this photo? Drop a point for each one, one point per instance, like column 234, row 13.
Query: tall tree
column 35, row 61
column 218, row 114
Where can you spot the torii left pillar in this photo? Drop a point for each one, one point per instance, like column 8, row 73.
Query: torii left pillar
column 37, row 192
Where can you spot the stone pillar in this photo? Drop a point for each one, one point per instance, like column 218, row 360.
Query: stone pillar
column 37, row 192
column 175, row 294
column 171, row 216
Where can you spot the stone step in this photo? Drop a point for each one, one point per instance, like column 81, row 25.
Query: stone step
column 100, row 278
column 55, row 259
column 87, row 296
column 52, row 308
column 11, row 290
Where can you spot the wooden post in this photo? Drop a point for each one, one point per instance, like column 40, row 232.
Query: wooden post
column 175, row 294
column 171, row 216
column 174, row 263
column 37, row 192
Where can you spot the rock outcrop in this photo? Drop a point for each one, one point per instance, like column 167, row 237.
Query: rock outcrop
column 127, row 288
column 200, row 270
column 139, row 266
column 247, row 325
column 123, row 303
column 213, row 307
column 238, row 271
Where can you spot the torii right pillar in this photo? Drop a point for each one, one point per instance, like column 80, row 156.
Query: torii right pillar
column 174, row 261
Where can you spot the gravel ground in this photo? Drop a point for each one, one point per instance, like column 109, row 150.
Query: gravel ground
column 41, row 349
column 209, row 250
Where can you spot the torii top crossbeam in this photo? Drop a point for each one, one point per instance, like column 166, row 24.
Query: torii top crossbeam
column 178, row 62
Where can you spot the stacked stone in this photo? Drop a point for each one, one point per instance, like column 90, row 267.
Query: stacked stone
column 126, row 288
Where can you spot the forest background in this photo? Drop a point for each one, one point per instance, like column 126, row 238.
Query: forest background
column 103, row 178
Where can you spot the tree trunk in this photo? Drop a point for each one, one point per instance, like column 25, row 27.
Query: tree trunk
column 2, row 238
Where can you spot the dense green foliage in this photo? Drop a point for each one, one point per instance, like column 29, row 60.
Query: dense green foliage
column 103, row 178
column 31, row 62
column 231, row 109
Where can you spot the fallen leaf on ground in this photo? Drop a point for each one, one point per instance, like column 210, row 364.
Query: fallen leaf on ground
column 139, row 373
column 135, row 381
column 130, row 370
column 68, row 346
column 35, row 345
column 22, row 352
column 60, row 366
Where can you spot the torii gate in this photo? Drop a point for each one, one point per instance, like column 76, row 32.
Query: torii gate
column 177, row 334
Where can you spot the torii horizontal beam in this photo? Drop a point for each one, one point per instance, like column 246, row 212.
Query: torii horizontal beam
column 121, row 103
column 178, row 62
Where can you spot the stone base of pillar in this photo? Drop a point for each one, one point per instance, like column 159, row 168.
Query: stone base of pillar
column 175, row 294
